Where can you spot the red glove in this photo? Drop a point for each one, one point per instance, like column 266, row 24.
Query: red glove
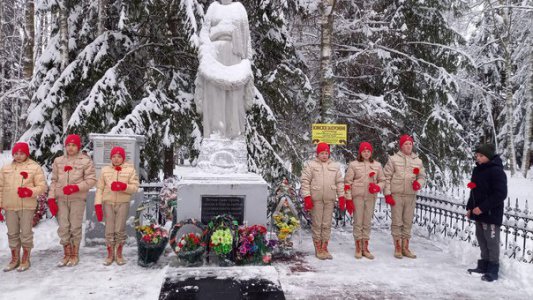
column 347, row 187
column 99, row 212
column 71, row 189
column 52, row 205
column 24, row 192
column 117, row 186
column 373, row 188
column 342, row 203
column 389, row 200
column 1, row 216
column 308, row 203
column 350, row 207
column 416, row 186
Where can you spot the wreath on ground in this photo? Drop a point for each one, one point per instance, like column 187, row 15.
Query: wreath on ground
column 189, row 247
column 222, row 237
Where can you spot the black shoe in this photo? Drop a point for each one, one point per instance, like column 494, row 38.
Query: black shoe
column 482, row 266
column 492, row 272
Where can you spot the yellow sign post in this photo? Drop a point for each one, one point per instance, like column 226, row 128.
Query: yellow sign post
column 333, row 134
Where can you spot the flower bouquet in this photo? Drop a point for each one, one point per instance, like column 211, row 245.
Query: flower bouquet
column 151, row 242
column 253, row 247
column 285, row 225
column 189, row 247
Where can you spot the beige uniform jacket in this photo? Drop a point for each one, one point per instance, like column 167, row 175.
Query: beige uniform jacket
column 11, row 180
column 127, row 175
column 399, row 174
column 322, row 181
column 82, row 174
column 358, row 178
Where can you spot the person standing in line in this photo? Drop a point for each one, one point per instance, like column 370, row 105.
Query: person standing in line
column 117, row 182
column 21, row 182
column 364, row 179
column 322, row 183
column 73, row 175
column 404, row 177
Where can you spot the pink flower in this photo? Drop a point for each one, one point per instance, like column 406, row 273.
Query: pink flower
column 67, row 169
column 24, row 174
column 372, row 174
column 416, row 171
column 118, row 168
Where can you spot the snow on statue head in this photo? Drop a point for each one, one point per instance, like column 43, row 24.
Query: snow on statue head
column 224, row 83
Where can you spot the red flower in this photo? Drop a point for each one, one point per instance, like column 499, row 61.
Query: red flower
column 471, row 185
column 67, row 169
column 24, row 174
column 416, row 171
column 118, row 168
column 372, row 174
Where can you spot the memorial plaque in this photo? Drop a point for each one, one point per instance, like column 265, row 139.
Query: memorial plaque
column 213, row 206
column 103, row 143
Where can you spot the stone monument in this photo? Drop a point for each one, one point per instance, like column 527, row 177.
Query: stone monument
column 224, row 92
column 102, row 145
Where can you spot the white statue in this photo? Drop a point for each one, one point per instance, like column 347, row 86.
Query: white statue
column 224, row 83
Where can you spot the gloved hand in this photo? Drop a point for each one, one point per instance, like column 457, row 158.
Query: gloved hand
column 416, row 186
column 1, row 216
column 308, row 203
column 350, row 207
column 117, row 186
column 389, row 200
column 52, row 205
column 71, row 189
column 24, row 192
column 373, row 188
column 342, row 203
column 99, row 212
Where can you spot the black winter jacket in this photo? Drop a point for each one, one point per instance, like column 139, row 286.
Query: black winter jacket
column 490, row 191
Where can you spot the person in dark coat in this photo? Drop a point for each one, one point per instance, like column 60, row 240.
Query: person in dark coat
column 485, row 206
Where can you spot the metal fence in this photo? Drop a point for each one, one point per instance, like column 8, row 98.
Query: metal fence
column 443, row 215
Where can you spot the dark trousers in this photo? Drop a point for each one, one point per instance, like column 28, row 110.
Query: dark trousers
column 488, row 238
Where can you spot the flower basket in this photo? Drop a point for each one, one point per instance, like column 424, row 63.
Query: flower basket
column 151, row 243
column 222, row 237
column 189, row 246
column 253, row 247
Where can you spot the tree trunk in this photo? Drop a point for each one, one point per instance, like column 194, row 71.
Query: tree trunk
column 29, row 44
column 326, row 69
column 63, row 49
column 526, row 156
column 102, row 15
column 168, row 164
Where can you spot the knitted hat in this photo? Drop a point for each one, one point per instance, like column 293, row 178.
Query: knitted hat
column 118, row 150
column 486, row 149
column 22, row 147
column 73, row 139
column 365, row 146
column 322, row 147
column 404, row 138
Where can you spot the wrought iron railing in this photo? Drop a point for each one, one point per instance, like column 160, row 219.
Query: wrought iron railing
column 444, row 215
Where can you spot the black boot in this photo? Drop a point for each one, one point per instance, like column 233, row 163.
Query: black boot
column 492, row 272
column 481, row 267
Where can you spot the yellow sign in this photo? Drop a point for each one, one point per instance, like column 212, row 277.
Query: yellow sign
column 333, row 134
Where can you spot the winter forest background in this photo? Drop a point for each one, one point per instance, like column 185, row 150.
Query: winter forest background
column 452, row 73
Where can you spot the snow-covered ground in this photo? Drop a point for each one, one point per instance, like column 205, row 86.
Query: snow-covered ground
column 439, row 272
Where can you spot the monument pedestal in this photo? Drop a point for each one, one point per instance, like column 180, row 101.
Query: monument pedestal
column 203, row 195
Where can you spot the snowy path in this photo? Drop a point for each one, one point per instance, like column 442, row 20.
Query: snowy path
column 438, row 273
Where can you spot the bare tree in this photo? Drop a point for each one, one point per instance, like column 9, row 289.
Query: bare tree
column 327, row 8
